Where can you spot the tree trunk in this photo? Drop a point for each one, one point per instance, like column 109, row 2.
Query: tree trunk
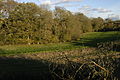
column 29, row 43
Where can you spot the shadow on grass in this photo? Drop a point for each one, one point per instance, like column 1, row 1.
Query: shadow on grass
column 92, row 42
column 29, row 69
column 23, row 69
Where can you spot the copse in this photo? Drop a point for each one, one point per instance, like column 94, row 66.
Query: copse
column 97, row 23
column 111, row 25
column 85, row 22
column 67, row 25
column 28, row 23
column 34, row 24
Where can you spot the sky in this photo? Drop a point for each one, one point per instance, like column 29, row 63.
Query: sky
column 91, row 8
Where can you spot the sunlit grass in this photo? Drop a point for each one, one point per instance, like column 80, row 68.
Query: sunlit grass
column 87, row 40
column 15, row 49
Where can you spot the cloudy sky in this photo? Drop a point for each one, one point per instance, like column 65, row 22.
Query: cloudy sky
column 91, row 8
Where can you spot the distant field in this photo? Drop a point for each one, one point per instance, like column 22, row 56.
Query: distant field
column 87, row 40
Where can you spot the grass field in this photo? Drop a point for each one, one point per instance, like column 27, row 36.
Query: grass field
column 86, row 40
column 76, row 60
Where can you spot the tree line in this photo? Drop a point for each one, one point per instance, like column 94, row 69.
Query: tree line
column 28, row 23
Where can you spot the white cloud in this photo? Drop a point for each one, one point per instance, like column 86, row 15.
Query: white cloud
column 101, row 10
column 114, row 17
column 85, row 9
column 57, row 1
column 48, row 2
column 65, row 1
column 88, row 9
column 71, row 5
column 45, row 2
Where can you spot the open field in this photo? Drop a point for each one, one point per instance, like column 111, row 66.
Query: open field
column 76, row 60
column 86, row 40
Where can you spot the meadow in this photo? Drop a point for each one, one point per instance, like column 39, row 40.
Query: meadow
column 90, row 39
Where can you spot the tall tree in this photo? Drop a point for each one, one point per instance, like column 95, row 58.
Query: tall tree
column 97, row 23
column 22, row 21
column 86, row 22
column 63, row 19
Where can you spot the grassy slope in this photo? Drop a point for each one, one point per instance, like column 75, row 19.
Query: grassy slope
column 87, row 40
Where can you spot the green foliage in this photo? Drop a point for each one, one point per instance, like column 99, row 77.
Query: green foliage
column 110, row 25
column 28, row 23
column 97, row 23
column 85, row 21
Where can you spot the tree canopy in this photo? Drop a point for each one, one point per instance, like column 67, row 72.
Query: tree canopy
column 28, row 23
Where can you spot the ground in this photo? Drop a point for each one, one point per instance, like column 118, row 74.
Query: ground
column 33, row 61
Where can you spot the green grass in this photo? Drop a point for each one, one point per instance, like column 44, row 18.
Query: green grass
column 17, row 49
column 91, row 39
column 29, row 66
column 87, row 40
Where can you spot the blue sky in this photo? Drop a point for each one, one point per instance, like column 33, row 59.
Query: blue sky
column 91, row 8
